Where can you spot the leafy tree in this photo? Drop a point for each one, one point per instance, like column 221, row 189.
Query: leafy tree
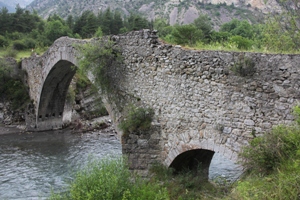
column 219, row 36
column 99, row 33
column 55, row 29
column 106, row 22
column 187, row 34
column 241, row 42
column 86, row 25
column 163, row 27
column 117, row 23
column 3, row 41
column 282, row 31
column 237, row 27
column 136, row 22
column 70, row 22
column 203, row 23
column 5, row 21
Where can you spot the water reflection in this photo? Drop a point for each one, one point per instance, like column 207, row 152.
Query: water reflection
column 221, row 167
column 33, row 164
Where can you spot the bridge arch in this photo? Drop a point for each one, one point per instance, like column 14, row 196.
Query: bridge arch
column 53, row 95
column 193, row 160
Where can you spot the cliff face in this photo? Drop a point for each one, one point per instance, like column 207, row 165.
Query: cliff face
column 175, row 11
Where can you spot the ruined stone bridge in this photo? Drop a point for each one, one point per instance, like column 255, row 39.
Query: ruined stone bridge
column 204, row 101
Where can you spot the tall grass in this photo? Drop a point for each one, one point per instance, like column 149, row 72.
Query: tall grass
column 110, row 179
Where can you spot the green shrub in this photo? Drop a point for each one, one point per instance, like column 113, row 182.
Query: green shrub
column 11, row 53
column 241, row 42
column 3, row 41
column 137, row 120
column 283, row 183
column 102, row 59
column 266, row 153
column 19, row 45
column 12, row 89
column 29, row 43
column 110, row 179
column 82, row 81
column 244, row 66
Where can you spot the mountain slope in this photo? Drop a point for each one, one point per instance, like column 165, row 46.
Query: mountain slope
column 174, row 11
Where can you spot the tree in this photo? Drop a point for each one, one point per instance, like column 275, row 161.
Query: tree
column 55, row 29
column 5, row 21
column 117, row 23
column 107, row 22
column 187, row 34
column 136, row 22
column 203, row 23
column 237, row 27
column 282, row 31
column 86, row 25
column 70, row 22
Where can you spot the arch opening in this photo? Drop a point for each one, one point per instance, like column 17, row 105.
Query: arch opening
column 53, row 95
column 197, row 161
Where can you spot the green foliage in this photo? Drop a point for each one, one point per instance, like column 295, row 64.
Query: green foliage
column 101, row 58
column 19, row 45
column 55, row 29
column 137, row 120
column 29, row 43
column 186, row 185
column 279, row 36
column 12, row 89
column 187, row 34
column 136, row 22
column 297, row 114
column 86, row 24
column 204, row 24
column 241, row 42
column 237, row 27
column 265, row 154
column 274, row 163
column 283, row 183
column 3, row 41
column 244, row 66
column 10, row 52
column 99, row 33
column 105, row 179
column 82, row 81
column 110, row 179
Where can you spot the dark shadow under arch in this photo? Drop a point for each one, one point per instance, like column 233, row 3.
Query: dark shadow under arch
column 55, row 88
column 193, row 160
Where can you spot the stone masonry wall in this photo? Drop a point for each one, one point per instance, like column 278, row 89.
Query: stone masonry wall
column 199, row 101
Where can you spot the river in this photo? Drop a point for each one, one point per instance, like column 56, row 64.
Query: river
column 33, row 164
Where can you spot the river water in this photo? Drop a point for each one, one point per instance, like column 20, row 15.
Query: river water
column 33, row 164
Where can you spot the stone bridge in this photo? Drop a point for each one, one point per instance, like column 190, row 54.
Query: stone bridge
column 204, row 101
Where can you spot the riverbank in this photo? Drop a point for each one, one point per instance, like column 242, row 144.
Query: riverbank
column 78, row 126
column 8, row 129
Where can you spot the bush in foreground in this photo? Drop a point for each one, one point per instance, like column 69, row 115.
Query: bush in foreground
column 110, row 179
column 274, row 164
